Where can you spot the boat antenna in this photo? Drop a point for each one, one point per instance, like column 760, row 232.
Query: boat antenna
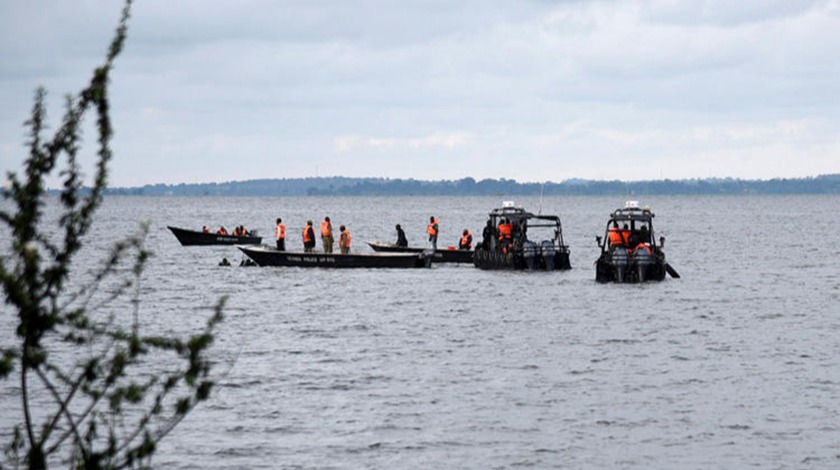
column 542, row 186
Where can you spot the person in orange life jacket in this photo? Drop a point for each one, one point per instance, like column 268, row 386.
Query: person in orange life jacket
column 237, row 232
column 205, row 229
column 619, row 237
column 466, row 240
column 308, row 237
column 641, row 246
column 280, row 234
column 221, row 231
column 401, row 240
column 344, row 240
column 327, row 235
column 505, row 235
column 433, row 229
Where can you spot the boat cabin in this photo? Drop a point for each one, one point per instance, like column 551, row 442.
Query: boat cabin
column 522, row 240
column 629, row 226
column 525, row 226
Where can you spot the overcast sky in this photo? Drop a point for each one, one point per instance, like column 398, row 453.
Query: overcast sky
column 213, row 91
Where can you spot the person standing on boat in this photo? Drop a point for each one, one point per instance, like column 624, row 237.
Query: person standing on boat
column 466, row 240
column 433, row 229
column 344, row 240
column 308, row 237
column 488, row 235
column 505, row 235
column 401, row 240
column 280, row 234
column 327, row 235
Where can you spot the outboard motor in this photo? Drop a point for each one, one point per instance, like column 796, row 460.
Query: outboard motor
column 643, row 260
column 529, row 252
column 548, row 252
column 619, row 259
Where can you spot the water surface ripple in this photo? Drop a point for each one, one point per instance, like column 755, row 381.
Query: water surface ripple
column 735, row 365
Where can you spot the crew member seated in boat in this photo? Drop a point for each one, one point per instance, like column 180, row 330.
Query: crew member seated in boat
column 505, row 235
column 221, row 231
column 619, row 236
column 642, row 235
column 401, row 240
column 308, row 237
column 466, row 240
column 433, row 229
column 344, row 240
column 205, row 229
column 641, row 246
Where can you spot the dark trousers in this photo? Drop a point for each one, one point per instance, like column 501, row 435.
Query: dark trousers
column 281, row 244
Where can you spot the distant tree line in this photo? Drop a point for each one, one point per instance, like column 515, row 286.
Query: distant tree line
column 342, row 186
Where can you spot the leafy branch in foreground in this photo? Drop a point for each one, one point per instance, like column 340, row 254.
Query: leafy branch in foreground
column 94, row 391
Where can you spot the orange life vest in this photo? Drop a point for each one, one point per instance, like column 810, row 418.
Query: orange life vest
column 344, row 239
column 431, row 229
column 326, row 229
column 505, row 231
column 642, row 246
column 306, row 234
column 280, row 231
column 221, row 231
column 466, row 240
column 618, row 236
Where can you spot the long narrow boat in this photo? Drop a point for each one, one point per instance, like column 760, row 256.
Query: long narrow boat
column 267, row 256
column 440, row 255
column 197, row 238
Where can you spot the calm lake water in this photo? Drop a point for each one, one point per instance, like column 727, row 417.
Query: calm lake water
column 735, row 365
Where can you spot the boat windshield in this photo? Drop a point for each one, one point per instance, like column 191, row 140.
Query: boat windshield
column 637, row 224
column 528, row 226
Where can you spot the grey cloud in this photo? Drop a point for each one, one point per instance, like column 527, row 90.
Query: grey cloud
column 577, row 85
